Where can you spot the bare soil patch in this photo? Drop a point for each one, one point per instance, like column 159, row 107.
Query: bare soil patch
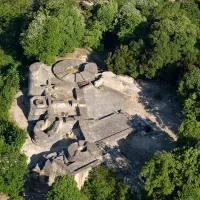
column 20, row 108
column 3, row 197
column 79, row 53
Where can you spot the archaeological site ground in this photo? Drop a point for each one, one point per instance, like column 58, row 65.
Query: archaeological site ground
column 78, row 116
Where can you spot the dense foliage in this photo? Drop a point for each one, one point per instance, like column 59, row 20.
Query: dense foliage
column 64, row 187
column 103, row 185
column 189, row 91
column 100, row 20
column 13, row 168
column 9, row 84
column 153, row 38
column 12, row 163
column 52, row 32
column 173, row 175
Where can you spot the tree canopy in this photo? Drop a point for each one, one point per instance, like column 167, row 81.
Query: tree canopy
column 52, row 32
column 64, row 187
column 101, row 20
column 13, row 168
column 168, row 36
column 170, row 175
column 103, row 185
column 189, row 92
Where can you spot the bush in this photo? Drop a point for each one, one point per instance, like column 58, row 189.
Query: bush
column 12, row 134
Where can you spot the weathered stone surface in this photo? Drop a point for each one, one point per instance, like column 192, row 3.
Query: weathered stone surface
column 91, row 68
column 123, row 84
column 67, row 106
column 65, row 68
column 110, row 128
column 81, row 152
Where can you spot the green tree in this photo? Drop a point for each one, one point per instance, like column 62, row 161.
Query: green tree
column 189, row 132
column 13, row 168
column 12, row 14
column 52, row 33
column 172, row 40
column 189, row 84
column 93, row 36
column 100, row 22
column 168, row 175
column 191, row 10
column 168, row 36
column 191, row 106
column 5, row 59
column 64, row 187
column 125, row 59
column 190, row 194
column 189, row 92
column 42, row 39
column 158, row 172
column 54, row 5
column 103, row 185
column 128, row 18
column 106, row 14
column 11, row 10
column 71, row 29
column 12, row 134
column 9, row 84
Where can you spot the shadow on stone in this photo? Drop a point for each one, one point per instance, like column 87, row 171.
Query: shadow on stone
column 36, row 158
column 64, row 143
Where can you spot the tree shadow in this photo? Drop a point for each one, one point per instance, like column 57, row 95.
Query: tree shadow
column 10, row 38
column 35, row 189
column 129, row 155
column 36, row 158
column 162, row 102
column 23, row 102
column 98, row 58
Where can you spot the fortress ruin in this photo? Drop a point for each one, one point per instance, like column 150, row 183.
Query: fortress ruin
column 76, row 103
column 83, row 112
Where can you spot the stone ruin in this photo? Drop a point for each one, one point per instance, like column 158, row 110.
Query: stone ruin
column 71, row 101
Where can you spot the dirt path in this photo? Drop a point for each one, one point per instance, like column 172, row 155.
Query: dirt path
column 19, row 109
column 3, row 197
